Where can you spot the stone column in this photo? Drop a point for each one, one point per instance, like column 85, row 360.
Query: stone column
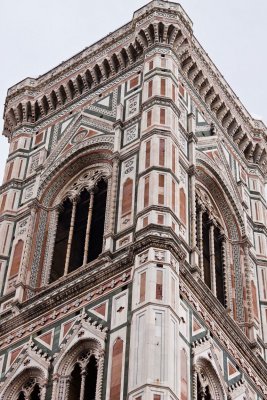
column 113, row 199
column 225, row 268
column 200, row 244
column 72, row 223
column 212, row 259
column 88, row 227
column 83, row 377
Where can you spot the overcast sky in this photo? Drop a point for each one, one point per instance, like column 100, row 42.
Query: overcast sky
column 37, row 35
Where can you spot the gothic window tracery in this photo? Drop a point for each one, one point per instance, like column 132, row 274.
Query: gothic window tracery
column 79, row 374
column 29, row 385
column 80, row 226
column 30, row 391
column 206, row 382
column 203, row 390
column 83, row 378
column 211, row 242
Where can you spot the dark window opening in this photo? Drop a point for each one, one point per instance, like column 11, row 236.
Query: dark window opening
column 61, row 242
column 212, row 265
column 88, row 226
column 21, row 396
column 90, row 380
column 75, row 383
column 98, row 222
column 203, row 393
column 219, row 267
column 78, row 242
column 35, row 395
column 206, row 250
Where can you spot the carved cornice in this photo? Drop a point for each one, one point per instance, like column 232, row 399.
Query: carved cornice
column 138, row 38
column 83, row 279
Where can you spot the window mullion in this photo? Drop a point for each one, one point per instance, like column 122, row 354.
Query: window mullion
column 212, row 259
column 72, row 223
column 224, row 268
column 88, row 228
column 83, row 377
column 200, row 241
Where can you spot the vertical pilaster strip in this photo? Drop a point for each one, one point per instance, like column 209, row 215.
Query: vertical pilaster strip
column 194, row 383
column 100, row 372
column 51, row 245
column 67, row 389
column 72, row 223
column 88, row 227
column 25, row 261
column 54, row 387
column 212, row 259
column 192, row 140
column 43, row 391
column 248, row 281
column 115, row 168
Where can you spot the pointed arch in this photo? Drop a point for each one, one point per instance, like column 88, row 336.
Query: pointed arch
column 84, row 361
column 220, row 227
column 29, row 382
column 209, row 382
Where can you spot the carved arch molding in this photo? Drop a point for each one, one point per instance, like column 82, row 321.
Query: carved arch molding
column 227, row 202
column 209, row 378
column 83, row 170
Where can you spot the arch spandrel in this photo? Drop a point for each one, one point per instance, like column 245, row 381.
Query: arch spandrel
column 86, row 336
column 82, row 136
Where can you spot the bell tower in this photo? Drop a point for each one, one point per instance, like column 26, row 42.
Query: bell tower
column 133, row 225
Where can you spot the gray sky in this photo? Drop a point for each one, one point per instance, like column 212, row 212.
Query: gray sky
column 37, row 35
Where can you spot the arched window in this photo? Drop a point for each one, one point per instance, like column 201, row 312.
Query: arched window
column 80, row 229
column 211, row 242
column 30, row 391
column 83, row 378
column 29, row 385
column 203, row 391
column 206, row 382
column 81, row 372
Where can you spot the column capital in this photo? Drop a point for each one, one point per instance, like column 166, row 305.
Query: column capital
column 74, row 199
